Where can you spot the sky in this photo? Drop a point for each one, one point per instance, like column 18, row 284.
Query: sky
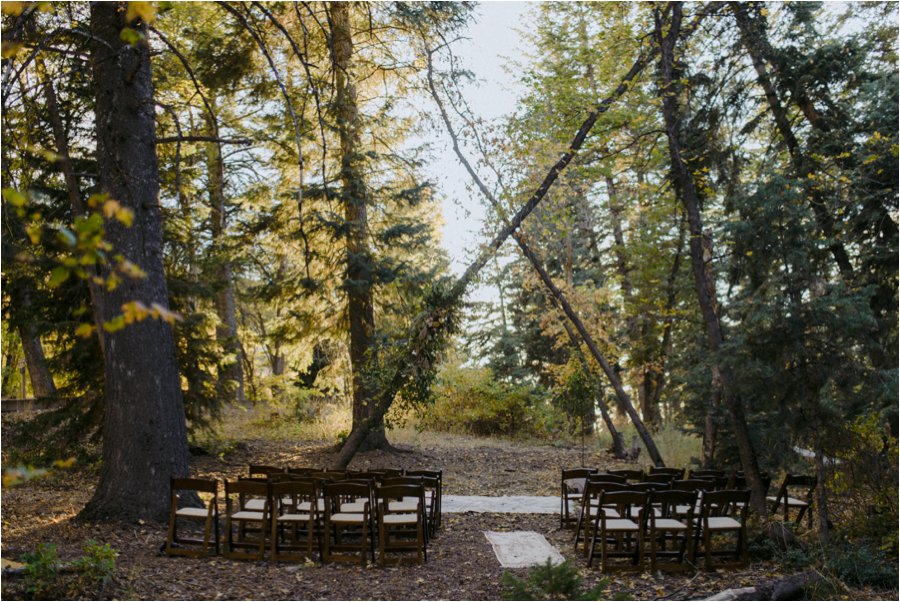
column 492, row 43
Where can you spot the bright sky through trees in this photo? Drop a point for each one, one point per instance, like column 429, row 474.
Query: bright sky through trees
column 492, row 45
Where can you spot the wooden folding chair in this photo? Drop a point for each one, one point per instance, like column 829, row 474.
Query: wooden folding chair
column 722, row 513
column 262, row 470
column 296, row 526
column 243, row 545
column 435, row 510
column 676, row 473
column 795, row 493
column 631, row 474
column 571, row 490
column 209, row 514
column 669, row 523
column 401, row 523
column 590, row 507
column 619, row 529
column 429, row 487
column 348, row 522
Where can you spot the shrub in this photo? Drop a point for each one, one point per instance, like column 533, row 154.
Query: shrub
column 471, row 401
column 84, row 577
column 41, row 572
column 549, row 582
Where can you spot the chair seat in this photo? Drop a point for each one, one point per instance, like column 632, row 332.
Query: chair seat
column 293, row 518
column 791, row 502
column 670, row 524
column 247, row 515
column 193, row 512
column 353, row 507
column 347, row 517
column 723, row 523
column 401, row 519
column 404, row 506
column 307, row 506
column 257, row 504
column 621, row 524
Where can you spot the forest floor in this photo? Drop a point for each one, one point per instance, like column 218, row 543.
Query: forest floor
column 461, row 564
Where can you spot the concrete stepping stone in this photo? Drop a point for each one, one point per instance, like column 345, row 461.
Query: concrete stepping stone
column 521, row 549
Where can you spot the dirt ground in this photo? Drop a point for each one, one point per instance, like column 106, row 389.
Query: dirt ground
column 461, row 564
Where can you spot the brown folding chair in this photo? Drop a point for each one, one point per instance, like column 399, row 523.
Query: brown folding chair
column 722, row 513
column 676, row 473
column 262, row 470
column 429, row 487
column 571, row 490
column 669, row 523
column 630, row 474
column 296, row 525
column 401, row 522
column 619, row 529
column 238, row 495
column 795, row 493
column 208, row 513
column 435, row 510
column 348, row 522
column 590, row 507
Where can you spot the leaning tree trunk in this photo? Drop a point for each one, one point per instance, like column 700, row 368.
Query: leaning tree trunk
column 355, row 199
column 437, row 318
column 701, row 251
column 41, row 379
column 144, row 431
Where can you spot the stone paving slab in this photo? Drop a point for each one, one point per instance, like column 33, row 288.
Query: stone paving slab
column 520, row 549
column 513, row 504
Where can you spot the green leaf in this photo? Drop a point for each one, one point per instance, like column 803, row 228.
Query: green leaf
column 131, row 36
column 114, row 325
column 14, row 197
column 59, row 275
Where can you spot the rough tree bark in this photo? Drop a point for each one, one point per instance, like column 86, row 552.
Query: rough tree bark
column 355, row 199
column 700, row 244
column 230, row 384
column 144, row 431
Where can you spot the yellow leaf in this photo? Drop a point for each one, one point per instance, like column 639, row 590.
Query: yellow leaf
column 145, row 10
column 110, row 208
column 67, row 463
column 10, row 49
column 125, row 216
column 96, row 199
column 84, row 330
column 114, row 325
column 13, row 8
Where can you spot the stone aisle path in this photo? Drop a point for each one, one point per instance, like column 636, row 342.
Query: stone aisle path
column 513, row 504
column 513, row 549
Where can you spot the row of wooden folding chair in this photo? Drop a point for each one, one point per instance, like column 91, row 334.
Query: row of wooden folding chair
column 433, row 479
column 627, row 520
column 294, row 516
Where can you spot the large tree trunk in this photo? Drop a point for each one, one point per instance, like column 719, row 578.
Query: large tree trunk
column 230, row 384
column 701, row 250
column 144, row 431
column 355, row 199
